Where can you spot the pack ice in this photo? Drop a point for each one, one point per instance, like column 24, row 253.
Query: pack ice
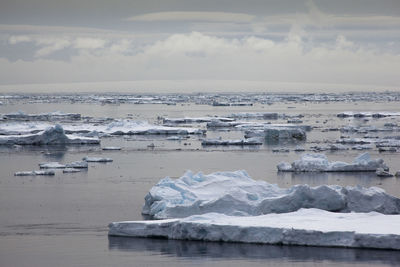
column 320, row 163
column 235, row 193
column 310, row 227
column 54, row 135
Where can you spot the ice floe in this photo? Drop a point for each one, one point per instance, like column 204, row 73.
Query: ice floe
column 54, row 135
column 320, row 163
column 255, row 115
column 278, row 133
column 235, row 193
column 77, row 165
column 111, row 148
column 309, row 227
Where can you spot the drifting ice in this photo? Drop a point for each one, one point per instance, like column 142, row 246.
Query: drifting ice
column 96, row 159
column 320, row 163
column 235, row 193
column 311, row 227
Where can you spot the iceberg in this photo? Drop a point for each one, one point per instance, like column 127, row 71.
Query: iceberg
column 54, row 135
column 77, row 165
column 235, row 193
column 320, row 163
column 307, row 227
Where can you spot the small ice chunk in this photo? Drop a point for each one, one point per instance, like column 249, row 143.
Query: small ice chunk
column 51, row 165
column 97, row 159
column 382, row 173
column 71, row 170
column 111, row 148
column 34, row 173
column 77, row 164
column 320, row 163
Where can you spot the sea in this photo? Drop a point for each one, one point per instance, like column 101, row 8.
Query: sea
column 62, row 220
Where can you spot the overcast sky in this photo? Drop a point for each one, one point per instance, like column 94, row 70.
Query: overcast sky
column 319, row 44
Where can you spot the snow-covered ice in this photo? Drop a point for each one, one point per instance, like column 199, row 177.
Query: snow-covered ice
column 71, row 170
column 235, row 193
column 320, row 163
column 310, row 227
column 196, row 120
column 278, row 133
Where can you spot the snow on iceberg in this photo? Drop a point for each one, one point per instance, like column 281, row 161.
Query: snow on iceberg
column 235, row 193
column 34, row 173
column 310, row 227
column 54, row 135
column 320, row 163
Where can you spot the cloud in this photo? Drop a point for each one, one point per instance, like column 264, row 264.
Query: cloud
column 197, row 56
column 89, row 43
column 194, row 16
column 16, row 39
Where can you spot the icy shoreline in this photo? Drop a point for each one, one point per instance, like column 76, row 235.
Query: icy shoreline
column 307, row 227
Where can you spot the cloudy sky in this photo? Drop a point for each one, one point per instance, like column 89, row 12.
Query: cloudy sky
column 320, row 45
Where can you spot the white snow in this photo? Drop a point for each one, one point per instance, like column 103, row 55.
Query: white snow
column 320, row 163
column 235, row 193
column 311, row 227
column 97, row 159
column 51, row 136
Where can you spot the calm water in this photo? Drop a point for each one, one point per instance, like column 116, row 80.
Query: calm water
column 62, row 220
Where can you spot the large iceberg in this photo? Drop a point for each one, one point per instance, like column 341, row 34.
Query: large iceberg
column 51, row 136
column 310, row 227
column 235, row 193
column 320, row 163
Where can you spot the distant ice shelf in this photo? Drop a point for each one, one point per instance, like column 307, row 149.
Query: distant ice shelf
column 309, row 227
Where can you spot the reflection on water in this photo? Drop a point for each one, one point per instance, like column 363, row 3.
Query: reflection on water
column 222, row 251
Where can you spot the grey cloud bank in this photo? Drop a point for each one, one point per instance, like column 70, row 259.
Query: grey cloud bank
column 312, row 43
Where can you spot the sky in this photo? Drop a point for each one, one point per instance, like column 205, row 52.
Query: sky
column 294, row 45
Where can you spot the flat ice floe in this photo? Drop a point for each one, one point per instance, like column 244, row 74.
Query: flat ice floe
column 34, row 173
column 320, row 163
column 97, row 159
column 51, row 116
column 51, row 136
column 310, row 227
column 381, row 114
column 235, row 193
column 196, row 120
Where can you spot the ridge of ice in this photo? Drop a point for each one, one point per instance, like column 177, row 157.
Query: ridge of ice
column 235, row 193
column 320, row 163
